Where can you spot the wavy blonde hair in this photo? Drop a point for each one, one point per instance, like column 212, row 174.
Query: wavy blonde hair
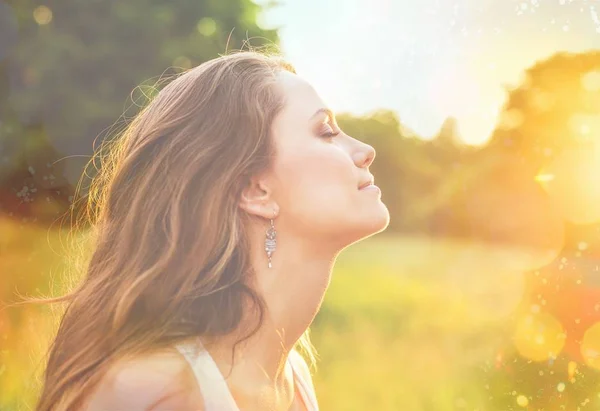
column 170, row 256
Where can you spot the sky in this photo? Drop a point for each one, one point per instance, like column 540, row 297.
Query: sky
column 427, row 59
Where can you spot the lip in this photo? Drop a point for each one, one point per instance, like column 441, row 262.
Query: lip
column 367, row 183
column 370, row 187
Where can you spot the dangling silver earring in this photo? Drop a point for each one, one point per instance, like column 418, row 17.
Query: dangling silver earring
column 271, row 241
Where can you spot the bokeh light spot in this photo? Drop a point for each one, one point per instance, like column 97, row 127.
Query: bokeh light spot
column 522, row 401
column 584, row 127
column 207, row 26
column 42, row 15
column 539, row 337
column 590, row 346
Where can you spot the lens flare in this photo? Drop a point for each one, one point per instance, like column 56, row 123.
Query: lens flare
column 575, row 184
column 539, row 337
column 590, row 346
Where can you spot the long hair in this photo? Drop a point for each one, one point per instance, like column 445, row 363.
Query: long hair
column 170, row 256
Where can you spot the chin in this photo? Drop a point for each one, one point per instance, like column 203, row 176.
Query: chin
column 381, row 221
column 374, row 223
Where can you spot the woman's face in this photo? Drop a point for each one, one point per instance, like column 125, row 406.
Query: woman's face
column 318, row 171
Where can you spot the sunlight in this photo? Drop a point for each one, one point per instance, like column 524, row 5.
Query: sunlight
column 585, row 127
column 484, row 291
column 591, row 81
column 573, row 182
column 544, row 178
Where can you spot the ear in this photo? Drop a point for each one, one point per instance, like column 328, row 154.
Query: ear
column 257, row 199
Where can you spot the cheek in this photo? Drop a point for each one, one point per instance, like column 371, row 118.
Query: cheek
column 317, row 183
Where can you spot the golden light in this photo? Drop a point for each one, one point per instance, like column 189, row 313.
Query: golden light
column 476, row 129
column 510, row 119
column 572, row 370
column 590, row 346
column 575, row 184
column 42, row 15
column 585, row 127
column 591, row 80
column 539, row 337
column 544, row 178
column 489, row 297
column 522, row 401
column 536, row 224
column 541, row 100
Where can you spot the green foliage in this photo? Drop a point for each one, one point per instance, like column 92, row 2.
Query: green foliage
column 76, row 72
column 70, row 75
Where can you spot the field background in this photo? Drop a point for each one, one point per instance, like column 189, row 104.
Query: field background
column 407, row 323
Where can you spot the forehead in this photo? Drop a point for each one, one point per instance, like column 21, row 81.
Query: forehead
column 301, row 99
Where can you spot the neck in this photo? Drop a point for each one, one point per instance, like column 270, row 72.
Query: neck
column 293, row 291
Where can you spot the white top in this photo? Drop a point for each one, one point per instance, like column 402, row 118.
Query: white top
column 214, row 389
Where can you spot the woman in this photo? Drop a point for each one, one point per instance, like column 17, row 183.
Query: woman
column 218, row 217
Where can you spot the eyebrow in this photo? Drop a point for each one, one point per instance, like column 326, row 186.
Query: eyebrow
column 326, row 111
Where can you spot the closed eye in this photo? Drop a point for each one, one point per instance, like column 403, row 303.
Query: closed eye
column 328, row 132
column 328, row 128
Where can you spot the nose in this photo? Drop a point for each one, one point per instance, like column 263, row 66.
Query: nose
column 364, row 155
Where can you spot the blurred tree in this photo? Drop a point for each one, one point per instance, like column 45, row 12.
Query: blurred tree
column 546, row 148
column 418, row 178
column 68, row 77
column 402, row 169
column 536, row 165
column 449, row 135
column 555, row 108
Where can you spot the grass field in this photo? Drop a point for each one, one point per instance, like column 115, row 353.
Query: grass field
column 407, row 323
column 414, row 324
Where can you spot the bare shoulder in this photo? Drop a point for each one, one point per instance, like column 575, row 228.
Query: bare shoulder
column 158, row 381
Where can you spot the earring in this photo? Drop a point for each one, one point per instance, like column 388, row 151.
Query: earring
column 271, row 241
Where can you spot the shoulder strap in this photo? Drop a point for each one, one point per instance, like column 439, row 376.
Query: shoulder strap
column 304, row 386
column 213, row 387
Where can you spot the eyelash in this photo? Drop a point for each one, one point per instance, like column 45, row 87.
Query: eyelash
column 330, row 134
